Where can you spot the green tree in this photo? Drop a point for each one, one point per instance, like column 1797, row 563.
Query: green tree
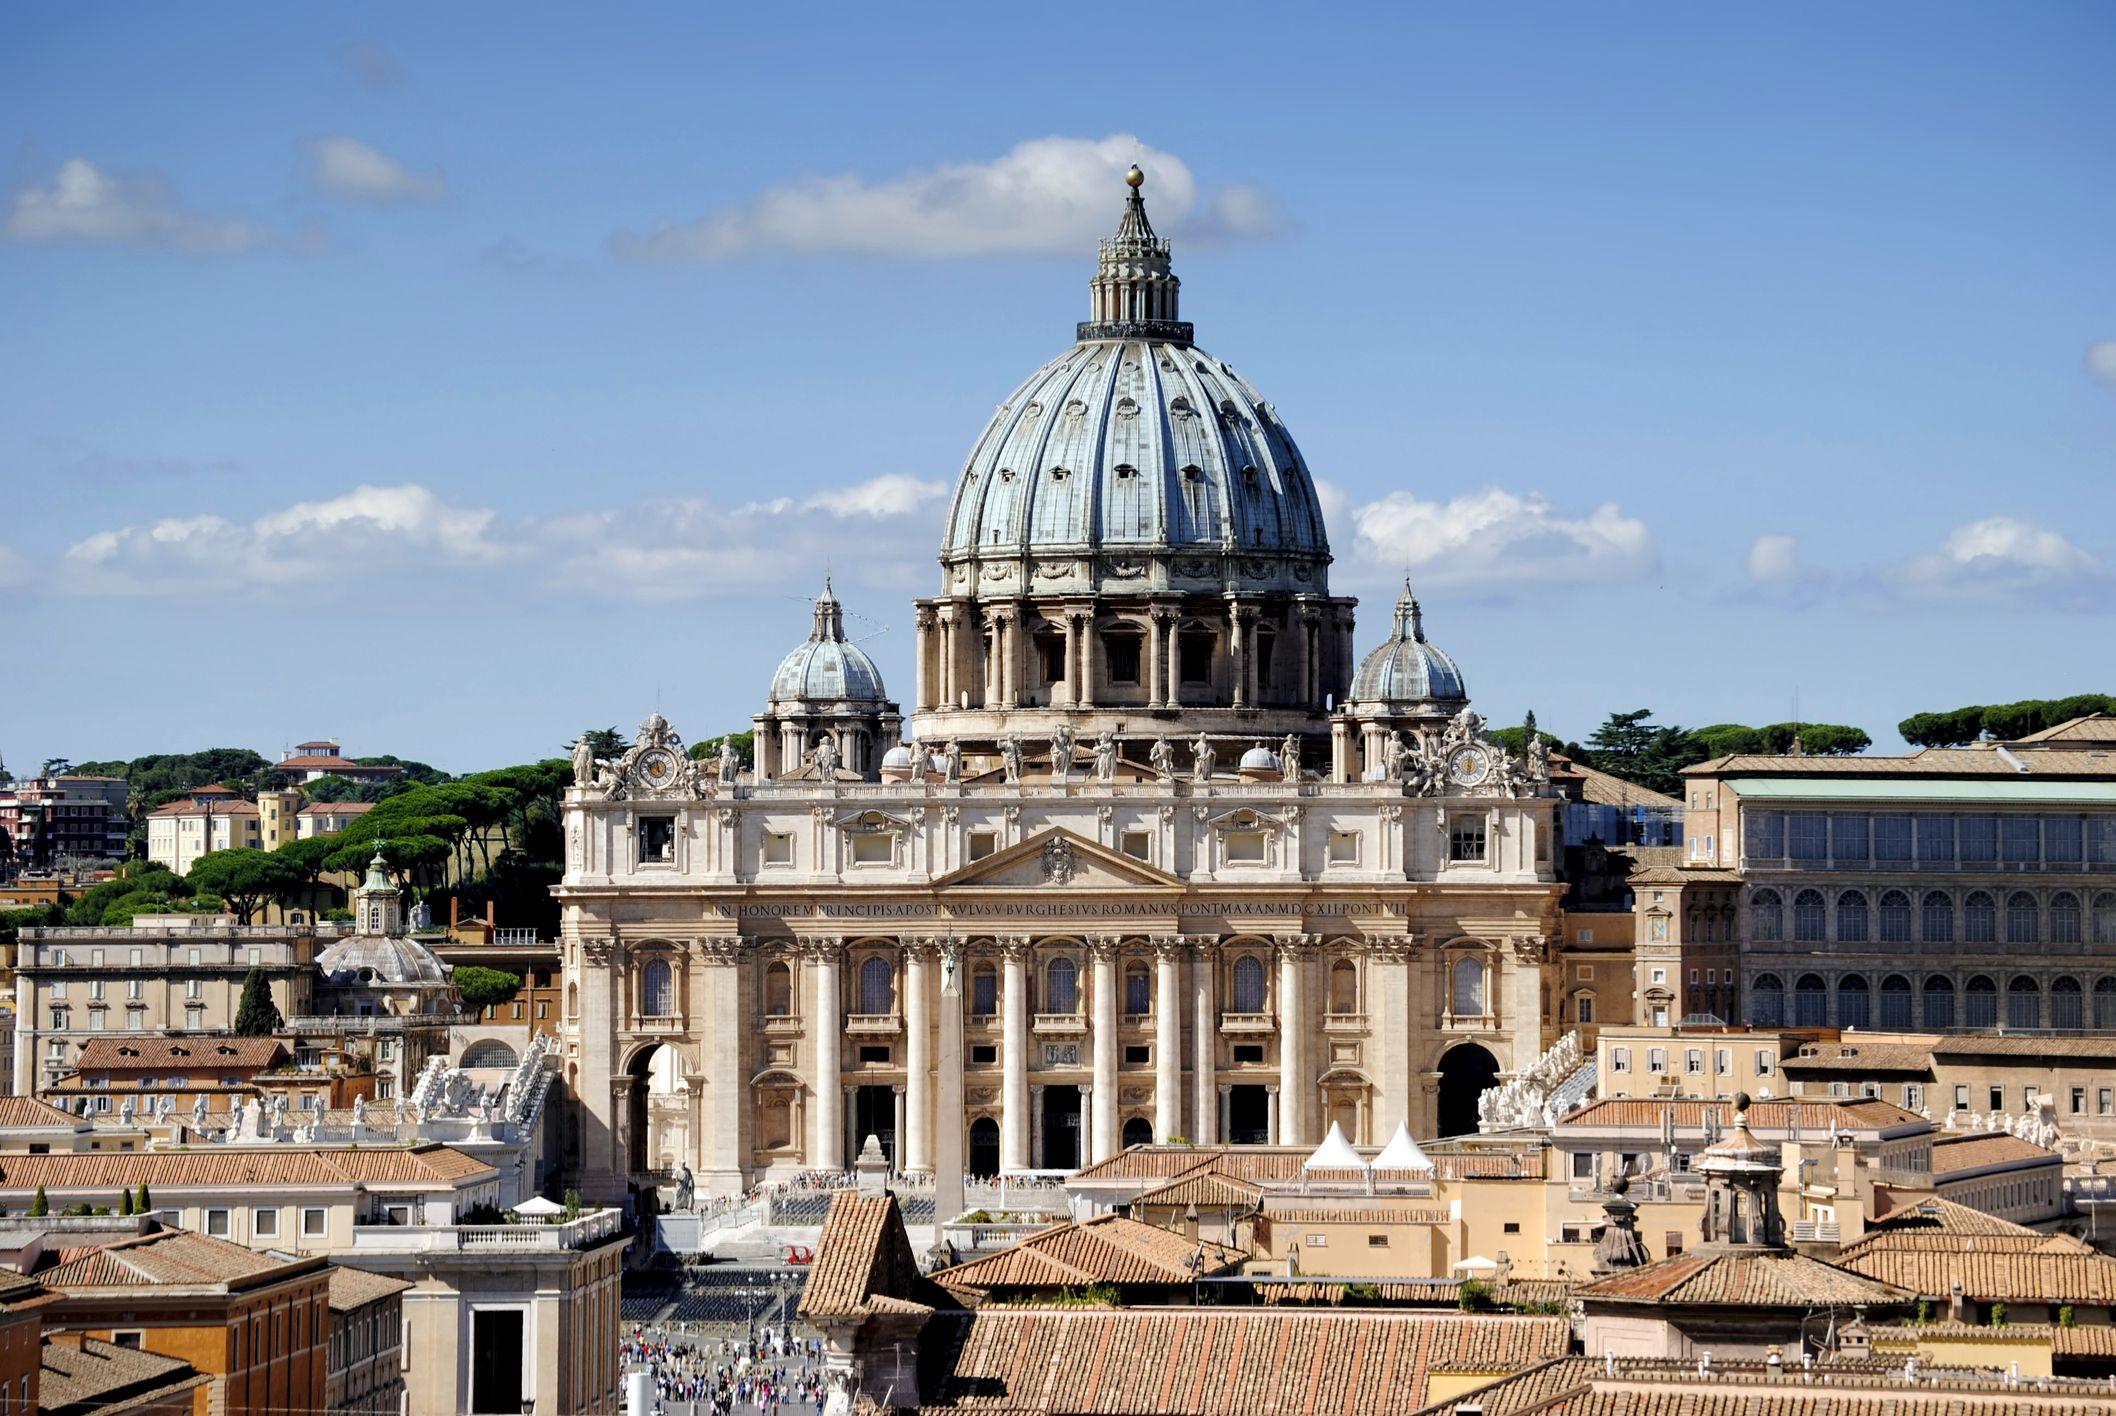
column 39, row 1204
column 256, row 1015
column 141, row 1204
column 482, row 987
column 331, row 788
column 606, row 742
column 56, row 767
column 1816, row 739
column 745, row 747
column 247, row 878
column 125, row 1200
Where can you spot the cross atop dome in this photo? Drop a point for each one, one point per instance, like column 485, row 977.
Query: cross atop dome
column 1134, row 292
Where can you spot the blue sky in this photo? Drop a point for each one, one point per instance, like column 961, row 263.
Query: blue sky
column 448, row 378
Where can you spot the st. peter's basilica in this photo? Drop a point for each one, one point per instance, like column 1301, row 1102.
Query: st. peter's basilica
column 1163, row 856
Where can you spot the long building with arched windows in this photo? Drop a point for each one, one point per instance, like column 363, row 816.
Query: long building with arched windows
column 1162, row 855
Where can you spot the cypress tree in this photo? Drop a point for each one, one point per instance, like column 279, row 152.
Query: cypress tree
column 256, row 1015
column 39, row 1205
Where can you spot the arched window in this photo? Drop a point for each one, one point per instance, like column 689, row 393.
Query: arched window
column 1138, row 1132
column 1344, row 987
column 877, row 987
column 1939, row 1001
column 2024, row 1003
column 1810, row 1001
column 1766, row 916
column 2064, row 918
column 2023, row 922
column 1466, row 999
column 1979, row 918
column 984, row 991
column 778, row 991
column 1808, row 915
column 1981, row 1007
column 1854, row 1002
column 1936, row 925
column 2067, row 1004
column 1894, row 917
column 2105, row 917
column 2105, row 1003
column 657, row 990
column 1138, row 990
column 1767, row 1001
column 1851, row 917
column 1061, row 986
column 1895, row 999
column 1248, row 984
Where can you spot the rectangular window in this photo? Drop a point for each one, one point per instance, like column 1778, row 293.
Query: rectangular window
column 2079, row 1101
column 127, row 1337
column 1764, row 1063
column 312, row 1221
column 132, row 988
column 1935, row 840
column 1195, row 656
column 1584, row 971
column 254, row 957
column 657, row 840
column 2104, row 1101
column 95, row 958
column 1377, row 1241
column 1465, row 838
column 1694, row 1061
column 1763, row 835
column 217, row 1223
column 1344, row 848
column 2021, row 841
column 1583, row 1165
column 1961, row 1097
column 1998, row 1098
column 1136, row 1055
column 264, row 1223
column 139, row 956
column 878, row 1055
column 1913, row 1095
column 778, row 848
column 193, row 957
column 1248, row 1052
column 1120, row 654
column 1847, row 830
column 1807, row 836
column 983, row 843
column 1245, row 848
column 1723, row 1061
column 194, row 988
column 1619, row 1059
column 873, row 848
column 983, row 1054
column 1656, row 1059
column 1891, row 840
column 1660, row 975
column 2061, row 840
column 1586, row 1007
column 1139, row 845
column 58, row 989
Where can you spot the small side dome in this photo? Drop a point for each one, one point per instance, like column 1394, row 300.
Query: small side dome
column 1261, row 759
column 898, row 756
column 827, row 669
column 1407, row 669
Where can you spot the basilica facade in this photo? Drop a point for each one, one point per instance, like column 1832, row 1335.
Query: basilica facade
column 1161, row 855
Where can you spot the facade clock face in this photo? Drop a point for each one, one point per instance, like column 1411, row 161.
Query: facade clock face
column 658, row 767
column 1469, row 765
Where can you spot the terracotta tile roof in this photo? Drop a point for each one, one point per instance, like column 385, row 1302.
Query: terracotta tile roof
column 27, row 1111
column 864, row 1264
column 1861, row 1057
column 1772, row 1114
column 1486, row 1165
column 337, row 808
column 2090, row 1340
column 166, row 1257
column 232, row 1167
column 1207, row 1188
column 1409, row 1292
column 1981, row 761
column 1992, row 1268
column 218, row 806
column 1154, row 1163
column 1994, row 1045
column 319, row 762
column 1105, row 1249
column 356, row 1288
column 118, row 1054
column 1742, row 1278
column 1683, row 875
column 1178, row 1361
column 1953, row 1155
column 2088, row 727
column 95, row 1374
column 1580, row 1386
column 1930, row 1214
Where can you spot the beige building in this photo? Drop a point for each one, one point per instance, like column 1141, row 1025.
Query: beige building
column 364, row 1363
column 1165, row 854
column 211, row 818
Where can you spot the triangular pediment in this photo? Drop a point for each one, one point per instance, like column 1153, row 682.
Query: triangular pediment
column 1059, row 859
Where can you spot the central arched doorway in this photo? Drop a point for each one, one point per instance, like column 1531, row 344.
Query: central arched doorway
column 657, row 1124
column 1465, row 1073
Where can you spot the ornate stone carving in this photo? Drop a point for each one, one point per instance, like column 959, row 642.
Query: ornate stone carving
column 1203, row 759
column 1106, row 757
column 1058, row 861
column 1062, row 741
column 1534, row 1099
column 1010, row 757
column 1163, row 757
column 951, row 762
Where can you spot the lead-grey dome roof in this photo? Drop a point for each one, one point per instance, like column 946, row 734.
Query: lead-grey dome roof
column 375, row 958
column 827, row 669
column 1133, row 449
column 1406, row 669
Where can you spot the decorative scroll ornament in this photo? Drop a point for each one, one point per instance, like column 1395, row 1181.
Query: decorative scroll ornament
column 1461, row 761
column 654, row 768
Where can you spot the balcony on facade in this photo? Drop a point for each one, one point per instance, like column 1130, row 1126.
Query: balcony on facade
column 1060, row 1025
column 874, row 1024
column 591, row 1228
column 1248, row 1024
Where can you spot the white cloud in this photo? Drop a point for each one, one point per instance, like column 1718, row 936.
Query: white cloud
column 343, row 540
column 380, row 539
column 372, row 66
column 2101, row 361
column 357, row 172
column 1495, row 539
column 1999, row 557
column 85, row 205
column 1774, row 559
column 1045, row 196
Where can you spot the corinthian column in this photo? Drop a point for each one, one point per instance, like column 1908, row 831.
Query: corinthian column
column 1168, row 1040
column 1205, row 1032
column 1103, row 1142
column 1292, row 1041
column 724, row 1160
column 827, row 1152
column 1014, row 1055
column 918, row 1059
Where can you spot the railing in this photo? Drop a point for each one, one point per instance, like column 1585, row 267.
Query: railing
column 1247, row 1023
column 590, row 1228
column 1061, row 1023
column 872, row 1023
column 130, row 934
column 516, row 938
column 371, row 1023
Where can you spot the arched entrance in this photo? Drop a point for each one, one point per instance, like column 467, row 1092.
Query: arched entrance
column 984, row 1147
column 1465, row 1072
column 657, row 1125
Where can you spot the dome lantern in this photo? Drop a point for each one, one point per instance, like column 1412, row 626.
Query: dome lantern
column 1134, row 292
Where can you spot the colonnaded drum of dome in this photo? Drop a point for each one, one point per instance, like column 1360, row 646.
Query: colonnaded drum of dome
column 1156, row 852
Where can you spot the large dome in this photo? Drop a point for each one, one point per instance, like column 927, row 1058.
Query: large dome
column 827, row 668
column 1135, row 461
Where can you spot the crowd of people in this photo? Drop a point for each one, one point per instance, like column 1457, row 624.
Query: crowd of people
column 769, row 1372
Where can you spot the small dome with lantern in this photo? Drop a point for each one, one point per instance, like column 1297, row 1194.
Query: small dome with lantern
column 1407, row 669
